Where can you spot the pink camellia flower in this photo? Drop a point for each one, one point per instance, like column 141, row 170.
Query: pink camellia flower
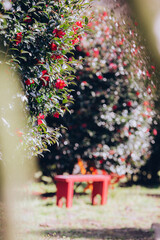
column 95, row 52
column 113, row 66
column 129, row 104
column 154, row 132
column 111, row 152
column 53, row 47
column 28, row 19
column 29, row 82
column 146, row 103
column 107, row 30
column 105, row 14
column 147, row 130
column 56, row 115
column 58, row 33
column 18, row 38
column 149, row 109
column 60, row 84
column 79, row 24
column 45, row 78
column 89, row 24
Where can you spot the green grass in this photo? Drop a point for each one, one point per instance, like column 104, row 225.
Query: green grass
column 128, row 214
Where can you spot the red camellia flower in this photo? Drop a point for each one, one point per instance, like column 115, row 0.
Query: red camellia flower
column 122, row 159
column 101, row 161
column 148, row 74
column 100, row 77
column 74, row 41
column 28, row 19
column 60, row 84
column 78, row 48
column 45, row 78
column 39, row 121
column 79, row 24
column 40, row 117
column 75, row 30
column 137, row 93
column 18, row 38
column 29, row 82
column 53, row 47
column 84, row 82
column 84, row 125
column 58, row 33
column 56, row 115
column 113, row 66
column 54, row 56
column 129, row 104
column 153, row 67
column 105, row 14
column 87, row 54
column 154, row 132
column 114, row 107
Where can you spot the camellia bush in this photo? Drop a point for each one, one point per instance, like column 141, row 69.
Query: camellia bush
column 36, row 37
column 109, row 127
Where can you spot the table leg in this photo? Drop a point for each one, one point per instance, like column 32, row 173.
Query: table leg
column 64, row 189
column 100, row 188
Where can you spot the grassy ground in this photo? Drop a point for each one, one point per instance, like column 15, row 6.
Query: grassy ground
column 128, row 214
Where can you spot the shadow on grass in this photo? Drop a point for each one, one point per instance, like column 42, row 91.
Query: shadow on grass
column 153, row 195
column 46, row 195
column 105, row 233
column 52, row 194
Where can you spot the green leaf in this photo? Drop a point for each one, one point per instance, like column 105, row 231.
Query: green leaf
column 86, row 20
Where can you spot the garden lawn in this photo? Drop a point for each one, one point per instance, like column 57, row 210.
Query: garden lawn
column 128, row 214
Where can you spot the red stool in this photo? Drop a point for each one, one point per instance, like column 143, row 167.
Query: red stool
column 65, row 184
